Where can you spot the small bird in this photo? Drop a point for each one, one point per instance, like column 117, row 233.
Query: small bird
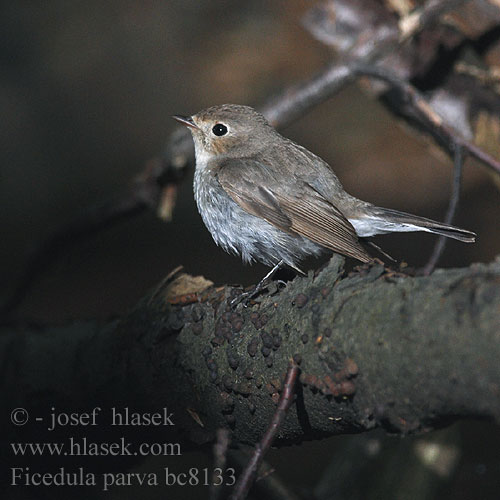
column 268, row 199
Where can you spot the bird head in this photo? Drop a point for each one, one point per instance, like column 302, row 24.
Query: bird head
column 228, row 130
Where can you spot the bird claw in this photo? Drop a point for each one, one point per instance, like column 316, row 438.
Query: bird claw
column 245, row 297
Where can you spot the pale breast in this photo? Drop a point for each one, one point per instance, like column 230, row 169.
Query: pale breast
column 241, row 233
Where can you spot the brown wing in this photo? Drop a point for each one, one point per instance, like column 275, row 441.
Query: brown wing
column 297, row 209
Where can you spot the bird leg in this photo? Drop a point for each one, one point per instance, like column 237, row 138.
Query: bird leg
column 246, row 296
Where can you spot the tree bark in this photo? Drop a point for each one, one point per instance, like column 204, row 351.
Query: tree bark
column 375, row 349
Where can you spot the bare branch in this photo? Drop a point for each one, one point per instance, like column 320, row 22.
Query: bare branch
column 221, row 446
column 450, row 213
column 268, row 485
column 376, row 349
column 429, row 13
column 151, row 185
column 295, row 101
column 92, row 221
column 247, row 477
column 416, row 107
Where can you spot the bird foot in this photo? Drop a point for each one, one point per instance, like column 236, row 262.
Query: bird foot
column 245, row 297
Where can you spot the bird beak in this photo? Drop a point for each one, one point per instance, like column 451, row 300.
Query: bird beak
column 185, row 120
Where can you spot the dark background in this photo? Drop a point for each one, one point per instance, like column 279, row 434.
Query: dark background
column 87, row 90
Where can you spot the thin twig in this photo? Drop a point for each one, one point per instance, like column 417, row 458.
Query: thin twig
column 271, row 486
column 429, row 13
column 485, row 158
column 144, row 192
column 419, row 109
column 89, row 223
column 296, row 100
column 222, row 441
column 458, row 163
column 247, row 477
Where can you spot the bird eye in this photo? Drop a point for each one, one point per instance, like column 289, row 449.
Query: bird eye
column 219, row 129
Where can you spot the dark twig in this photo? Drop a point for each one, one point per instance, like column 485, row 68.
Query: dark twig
column 271, row 486
column 425, row 16
column 223, row 439
column 482, row 156
column 144, row 192
column 416, row 107
column 247, row 477
column 89, row 223
column 450, row 213
column 298, row 99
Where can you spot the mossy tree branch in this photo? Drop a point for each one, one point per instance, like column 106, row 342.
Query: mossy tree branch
column 376, row 349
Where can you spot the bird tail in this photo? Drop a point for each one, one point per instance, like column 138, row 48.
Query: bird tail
column 393, row 220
